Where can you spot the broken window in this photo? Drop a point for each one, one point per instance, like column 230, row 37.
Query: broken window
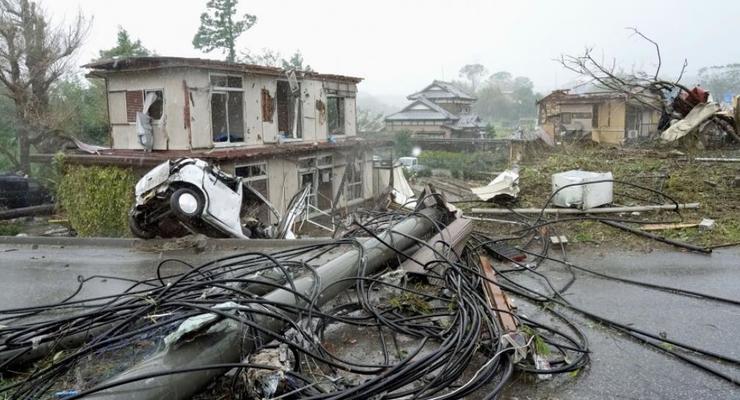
column 335, row 115
column 289, row 110
column 565, row 118
column 150, row 102
column 353, row 184
column 255, row 176
column 227, row 109
column 155, row 100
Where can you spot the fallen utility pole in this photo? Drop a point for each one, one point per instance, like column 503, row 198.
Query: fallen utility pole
column 44, row 209
column 230, row 341
column 601, row 210
column 452, row 237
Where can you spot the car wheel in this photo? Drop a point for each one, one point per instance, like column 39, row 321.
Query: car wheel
column 138, row 230
column 186, row 203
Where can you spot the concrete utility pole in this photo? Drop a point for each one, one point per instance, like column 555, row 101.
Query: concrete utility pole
column 228, row 341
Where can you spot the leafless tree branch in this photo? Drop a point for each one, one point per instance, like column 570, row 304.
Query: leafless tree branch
column 657, row 49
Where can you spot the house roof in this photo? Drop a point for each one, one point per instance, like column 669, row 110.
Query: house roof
column 439, row 90
column 161, row 62
column 422, row 109
column 467, row 121
column 563, row 96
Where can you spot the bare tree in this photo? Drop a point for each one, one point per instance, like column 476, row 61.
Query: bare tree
column 33, row 56
column 648, row 89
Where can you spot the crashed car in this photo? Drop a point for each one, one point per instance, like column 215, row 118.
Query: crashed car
column 190, row 195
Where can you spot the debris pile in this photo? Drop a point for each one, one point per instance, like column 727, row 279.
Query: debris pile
column 692, row 112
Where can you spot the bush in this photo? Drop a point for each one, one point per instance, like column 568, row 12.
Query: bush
column 478, row 165
column 97, row 199
column 424, row 173
column 402, row 144
column 9, row 229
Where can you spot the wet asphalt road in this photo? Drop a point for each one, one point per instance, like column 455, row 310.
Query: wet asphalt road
column 620, row 368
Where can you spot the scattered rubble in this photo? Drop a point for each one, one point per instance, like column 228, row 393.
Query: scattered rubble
column 505, row 187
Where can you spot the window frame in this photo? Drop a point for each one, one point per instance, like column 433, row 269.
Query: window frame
column 226, row 90
column 360, row 175
column 142, row 93
column 161, row 119
column 253, row 164
column 341, row 113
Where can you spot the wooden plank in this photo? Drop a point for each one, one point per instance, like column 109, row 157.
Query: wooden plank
column 496, row 298
column 661, row 227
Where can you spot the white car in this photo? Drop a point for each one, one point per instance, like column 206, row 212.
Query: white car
column 190, row 195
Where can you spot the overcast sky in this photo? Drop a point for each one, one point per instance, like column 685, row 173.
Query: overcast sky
column 399, row 46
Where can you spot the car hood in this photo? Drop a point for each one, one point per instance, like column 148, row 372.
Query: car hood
column 153, row 178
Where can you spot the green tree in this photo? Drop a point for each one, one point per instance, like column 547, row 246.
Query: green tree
column 220, row 27
column 296, row 62
column 125, row 47
column 80, row 107
column 34, row 55
column 402, row 144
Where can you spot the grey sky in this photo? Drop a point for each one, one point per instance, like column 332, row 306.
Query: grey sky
column 399, row 46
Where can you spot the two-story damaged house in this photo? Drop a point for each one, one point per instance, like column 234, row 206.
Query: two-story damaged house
column 605, row 117
column 440, row 110
column 279, row 130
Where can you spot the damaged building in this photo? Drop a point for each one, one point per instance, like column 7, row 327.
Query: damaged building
column 607, row 117
column 279, row 130
column 440, row 110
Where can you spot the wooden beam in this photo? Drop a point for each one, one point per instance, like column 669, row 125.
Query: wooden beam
column 497, row 299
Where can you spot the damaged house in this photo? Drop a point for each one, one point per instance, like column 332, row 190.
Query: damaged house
column 607, row 117
column 277, row 129
column 440, row 110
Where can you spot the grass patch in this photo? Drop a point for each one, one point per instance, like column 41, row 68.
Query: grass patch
column 710, row 184
column 477, row 165
column 9, row 229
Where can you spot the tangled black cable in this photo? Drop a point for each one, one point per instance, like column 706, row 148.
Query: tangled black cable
column 453, row 339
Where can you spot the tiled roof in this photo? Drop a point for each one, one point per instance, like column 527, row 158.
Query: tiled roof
column 448, row 91
column 433, row 112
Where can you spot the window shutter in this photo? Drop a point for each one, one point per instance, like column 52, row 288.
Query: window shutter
column 134, row 104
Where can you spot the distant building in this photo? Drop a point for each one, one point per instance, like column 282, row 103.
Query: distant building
column 440, row 110
column 605, row 117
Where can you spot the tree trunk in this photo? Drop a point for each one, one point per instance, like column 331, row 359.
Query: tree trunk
column 24, row 149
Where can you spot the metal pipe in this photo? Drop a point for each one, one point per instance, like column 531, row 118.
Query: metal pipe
column 228, row 345
column 601, row 210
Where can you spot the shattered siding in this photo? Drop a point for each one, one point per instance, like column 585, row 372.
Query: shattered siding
column 173, row 134
column 169, row 133
column 350, row 116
